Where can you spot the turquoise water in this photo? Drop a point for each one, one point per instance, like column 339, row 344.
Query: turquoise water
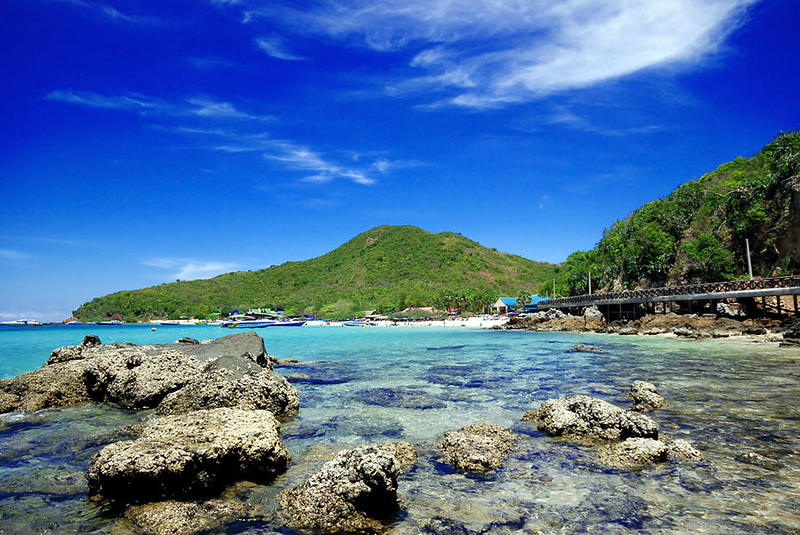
column 379, row 384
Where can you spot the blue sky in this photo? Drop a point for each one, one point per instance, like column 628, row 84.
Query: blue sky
column 143, row 142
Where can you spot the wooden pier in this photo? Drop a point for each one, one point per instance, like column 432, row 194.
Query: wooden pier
column 689, row 298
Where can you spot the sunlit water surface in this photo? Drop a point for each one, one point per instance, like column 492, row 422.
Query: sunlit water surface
column 361, row 385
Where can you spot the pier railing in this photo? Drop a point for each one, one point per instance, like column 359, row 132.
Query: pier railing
column 722, row 290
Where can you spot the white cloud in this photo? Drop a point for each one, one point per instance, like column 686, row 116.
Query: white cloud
column 224, row 110
column 109, row 12
column 189, row 269
column 109, row 102
column 7, row 254
column 199, row 107
column 274, row 47
column 299, row 158
column 292, row 155
column 489, row 53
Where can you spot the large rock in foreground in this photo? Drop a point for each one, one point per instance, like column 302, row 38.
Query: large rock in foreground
column 354, row 492
column 585, row 417
column 190, row 455
column 478, row 447
column 233, row 371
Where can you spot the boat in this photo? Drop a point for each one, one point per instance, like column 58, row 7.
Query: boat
column 112, row 322
column 355, row 323
column 258, row 324
column 16, row 323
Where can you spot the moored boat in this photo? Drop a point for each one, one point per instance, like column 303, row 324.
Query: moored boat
column 15, row 323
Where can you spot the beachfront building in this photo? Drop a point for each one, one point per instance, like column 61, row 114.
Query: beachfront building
column 533, row 306
column 504, row 305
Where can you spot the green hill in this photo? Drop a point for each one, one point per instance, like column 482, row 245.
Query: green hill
column 698, row 233
column 387, row 268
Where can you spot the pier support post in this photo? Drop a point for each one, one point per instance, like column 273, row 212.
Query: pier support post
column 795, row 304
column 764, row 305
column 779, row 306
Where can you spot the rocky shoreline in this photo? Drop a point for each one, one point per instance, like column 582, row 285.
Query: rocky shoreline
column 211, row 420
column 688, row 326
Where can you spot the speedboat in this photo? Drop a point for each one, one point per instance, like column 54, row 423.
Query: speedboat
column 258, row 324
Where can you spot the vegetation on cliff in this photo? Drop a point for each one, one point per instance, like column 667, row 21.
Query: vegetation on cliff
column 698, row 232
column 387, row 268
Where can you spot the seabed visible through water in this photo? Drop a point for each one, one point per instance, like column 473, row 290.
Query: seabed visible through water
column 384, row 384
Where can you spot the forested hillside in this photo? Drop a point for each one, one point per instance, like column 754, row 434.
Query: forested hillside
column 698, row 233
column 387, row 268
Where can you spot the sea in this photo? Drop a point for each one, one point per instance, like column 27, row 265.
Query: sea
column 362, row 385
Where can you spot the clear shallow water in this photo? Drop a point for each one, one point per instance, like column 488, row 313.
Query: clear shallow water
column 379, row 384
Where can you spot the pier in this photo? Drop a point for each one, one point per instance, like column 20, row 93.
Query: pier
column 769, row 293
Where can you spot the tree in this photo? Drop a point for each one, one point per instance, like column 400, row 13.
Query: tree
column 709, row 260
column 523, row 299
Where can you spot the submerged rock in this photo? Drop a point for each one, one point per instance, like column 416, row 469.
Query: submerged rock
column 756, row 459
column 183, row 518
column 585, row 417
column 633, row 453
column 478, row 447
column 580, row 348
column 399, row 397
column 354, row 492
column 682, row 450
column 189, row 455
column 645, row 397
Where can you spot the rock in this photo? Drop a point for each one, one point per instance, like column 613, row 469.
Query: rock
column 725, row 310
column 354, row 492
column 130, row 375
column 183, row 518
column 633, row 453
column 551, row 314
column 580, row 348
column 756, row 459
column 404, row 452
column 685, row 331
column 188, row 341
column 189, row 455
column 67, row 353
column 791, row 329
column 399, row 397
column 286, row 362
column 52, row 386
column 654, row 331
column 585, row 417
column 627, row 330
column 478, row 447
column 682, row 450
column 593, row 312
column 247, row 345
column 263, row 390
column 132, row 378
column 645, row 397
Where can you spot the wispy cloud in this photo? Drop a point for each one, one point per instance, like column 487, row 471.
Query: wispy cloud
column 109, row 102
column 200, row 107
column 8, row 254
column 189, row 269
column 224, row 110
column 275, row 47
column 316, row 166
column 110, row 13
column 319, row 168
column 489, row 53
